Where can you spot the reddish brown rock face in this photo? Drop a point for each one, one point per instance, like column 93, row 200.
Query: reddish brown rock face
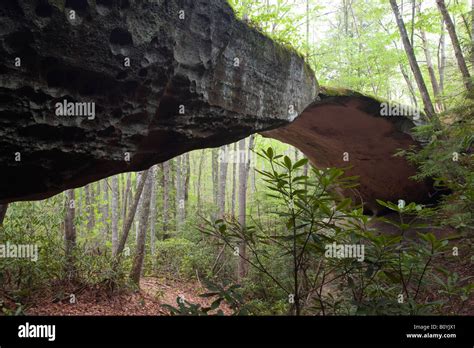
column 351, row 128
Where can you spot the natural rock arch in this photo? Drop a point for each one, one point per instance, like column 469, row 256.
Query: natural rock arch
column 166, row 78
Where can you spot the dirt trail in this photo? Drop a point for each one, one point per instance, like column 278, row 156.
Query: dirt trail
column 154, row 292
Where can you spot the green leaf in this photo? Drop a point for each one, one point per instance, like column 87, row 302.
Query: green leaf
column 344, row 204
column 287, row 162
column 269, row 153
column 300, row 163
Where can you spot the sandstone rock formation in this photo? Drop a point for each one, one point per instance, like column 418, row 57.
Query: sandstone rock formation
column 163, row 78
column 349, row 130
column 166, row 77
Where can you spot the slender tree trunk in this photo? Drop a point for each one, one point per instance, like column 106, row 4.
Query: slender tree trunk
column 234, row 173
column 456, row 46
column 187, row 176
column 79, row 201
column 241, row 270
column 90, row 207
column 115, row 213
column 138, row 214
column 3, row 212
column 307, row 31
column 244, row 167
column 166, row 190
column 431, row 71
column 153, row 211
column 410, row 86
column 144, row 215
column 105, row 210
column 224, row 158
column 127, row 194
column 70, row 236
column 253, row 177
column 413, row 13
column 472, row 34
column 131, row 215
column 442, row 57
column 180, row 203
column 186, row 181
column 425, row 96
column 199, row 183
column 215, row 174
column 345, row 11
column 97, row 196
column 465, row 21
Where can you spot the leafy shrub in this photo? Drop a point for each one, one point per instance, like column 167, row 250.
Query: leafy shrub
column 448, row 157
column 228, row 294
column 182, row 258
column 395, row 275
column 30, row 223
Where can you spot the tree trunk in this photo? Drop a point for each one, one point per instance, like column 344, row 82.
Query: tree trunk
column 411, row 89
column 465, row 21
column 179, row 192
column 442, row 57
column 222, row 181
column 456, row 46
column 346, row 17
column 187, row 179
column 138, row 214
column 241, row 269
column 166, row 190
column 234, row 173
column 90, row 208
column 244, row 167
column 129, row 220
column 3, row 212
column 127, row 194
column 425, row 96
column 144, row 215
column 154, row 170
column 115, row 213
column 199, row 183
column 215, row 174
column 307, row 31
column 70, row 236
column 413, row 13
column 431, row 71
column 472, row 34
column 105, row 210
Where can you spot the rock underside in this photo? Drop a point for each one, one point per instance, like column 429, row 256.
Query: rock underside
column 348, row 131
column 197, row 78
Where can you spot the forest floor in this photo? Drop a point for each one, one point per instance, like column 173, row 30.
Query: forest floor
column 154, row 292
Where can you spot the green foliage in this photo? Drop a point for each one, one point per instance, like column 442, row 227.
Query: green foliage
column 30, row 223
column 281, row 20
column 396, row 274
column 182, row 258
column 447, row 157
column 307, row 213
column 227, row 294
